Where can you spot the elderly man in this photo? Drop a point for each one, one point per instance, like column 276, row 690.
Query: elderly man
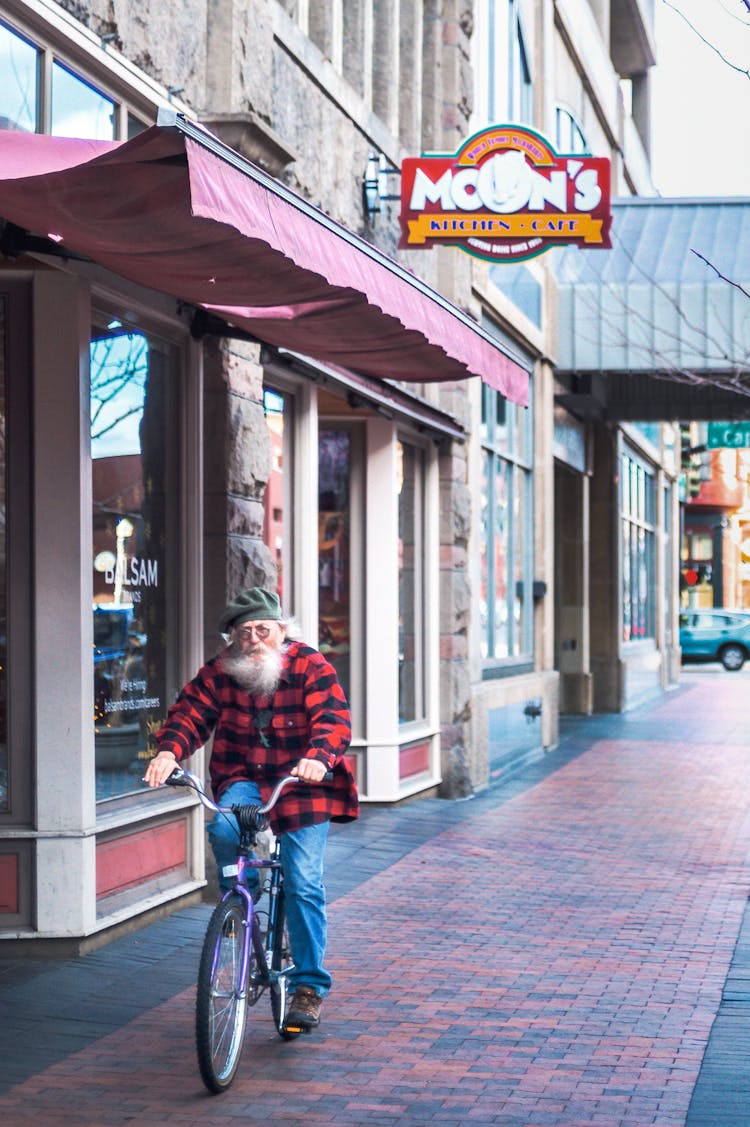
column 275, row 707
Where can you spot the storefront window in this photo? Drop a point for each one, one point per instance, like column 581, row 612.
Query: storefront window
column 506, row 549
column 638, row 504
column 133, row 523
column 68, row 105
column 334, row 550
column 278, row 407
column 78, row 109
column 4, row 801
column 500, row 546
column 522, row 84
column 668, row 563
column 411, row 704
column 569, row 136
column 18, row 88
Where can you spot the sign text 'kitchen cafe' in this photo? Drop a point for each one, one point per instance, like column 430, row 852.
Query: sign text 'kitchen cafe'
column 505, row 195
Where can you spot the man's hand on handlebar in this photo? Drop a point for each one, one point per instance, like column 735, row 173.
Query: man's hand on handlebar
column 310, row 770
column 163, row 764
column 160, row 768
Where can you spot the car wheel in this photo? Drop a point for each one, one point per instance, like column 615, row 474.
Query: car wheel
column 732, row 658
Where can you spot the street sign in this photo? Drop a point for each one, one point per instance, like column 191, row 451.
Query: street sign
column 732, row 436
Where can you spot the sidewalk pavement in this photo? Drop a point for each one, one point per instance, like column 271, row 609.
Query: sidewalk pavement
column 571, row 946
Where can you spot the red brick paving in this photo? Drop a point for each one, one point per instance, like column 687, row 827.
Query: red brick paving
column 556, row 960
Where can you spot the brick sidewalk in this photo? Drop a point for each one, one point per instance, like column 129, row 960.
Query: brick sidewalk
column 556, row 955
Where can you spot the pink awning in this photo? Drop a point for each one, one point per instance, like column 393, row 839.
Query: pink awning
column 177, row 211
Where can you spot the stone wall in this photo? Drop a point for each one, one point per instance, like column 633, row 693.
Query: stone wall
column 236, row 466
column 166, row 39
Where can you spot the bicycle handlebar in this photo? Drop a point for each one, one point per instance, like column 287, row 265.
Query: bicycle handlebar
column 182, row 778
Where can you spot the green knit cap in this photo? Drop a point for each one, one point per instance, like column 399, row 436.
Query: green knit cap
column 253, row 605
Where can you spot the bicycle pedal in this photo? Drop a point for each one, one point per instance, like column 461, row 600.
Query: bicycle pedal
column 297, row 1028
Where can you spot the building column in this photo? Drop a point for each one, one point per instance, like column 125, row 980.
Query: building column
column 457, row 758
column 237, row 463
column 572, row 581
column 63, row 593
column 604, row 583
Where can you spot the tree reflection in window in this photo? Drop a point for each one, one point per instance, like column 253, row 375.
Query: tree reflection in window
column 119, row 365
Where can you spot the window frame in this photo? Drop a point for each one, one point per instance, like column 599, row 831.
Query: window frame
column 421, row 590
column 288, row 559
column 637, row 521
column 60, row 69
column 59, row 37
column 185, row 653
column 521, row 88
column 516, row 453
column 578, row 145
column 355, row 429
column 37, row 68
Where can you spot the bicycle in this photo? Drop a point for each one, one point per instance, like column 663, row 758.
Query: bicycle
column 239, row 960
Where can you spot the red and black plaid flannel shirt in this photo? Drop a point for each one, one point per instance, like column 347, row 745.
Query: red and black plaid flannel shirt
column 263, row 739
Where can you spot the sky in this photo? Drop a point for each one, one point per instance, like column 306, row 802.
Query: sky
column 700, row 105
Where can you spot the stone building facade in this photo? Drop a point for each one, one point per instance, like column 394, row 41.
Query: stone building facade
column 436, row 539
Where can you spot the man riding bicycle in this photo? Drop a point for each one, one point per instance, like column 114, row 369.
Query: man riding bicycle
column 274, row 707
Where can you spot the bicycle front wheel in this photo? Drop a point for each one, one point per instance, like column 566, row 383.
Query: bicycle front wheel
column 280, row 960
column 221, row 1004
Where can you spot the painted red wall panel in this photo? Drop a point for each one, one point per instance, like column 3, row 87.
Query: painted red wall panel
column 141, row 856
column 413, row 760
column 9, row 883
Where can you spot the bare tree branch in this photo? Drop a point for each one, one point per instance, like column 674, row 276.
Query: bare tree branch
column 718, row 273
column 712, row 46
column 732, row 15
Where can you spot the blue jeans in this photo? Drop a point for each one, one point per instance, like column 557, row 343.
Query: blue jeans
column 302, row 853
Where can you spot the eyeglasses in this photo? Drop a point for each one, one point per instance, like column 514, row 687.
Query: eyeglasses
column 246, row 632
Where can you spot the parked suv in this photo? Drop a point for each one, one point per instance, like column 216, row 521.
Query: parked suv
column 716, row 635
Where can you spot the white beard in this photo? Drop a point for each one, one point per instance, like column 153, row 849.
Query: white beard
column 259, row 673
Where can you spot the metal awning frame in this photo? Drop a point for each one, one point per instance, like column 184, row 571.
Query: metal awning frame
column 171, row 119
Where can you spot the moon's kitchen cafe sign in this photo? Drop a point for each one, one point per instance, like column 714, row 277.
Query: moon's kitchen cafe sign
column 505, row 195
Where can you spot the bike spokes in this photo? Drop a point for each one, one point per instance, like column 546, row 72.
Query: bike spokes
column 221, row 1003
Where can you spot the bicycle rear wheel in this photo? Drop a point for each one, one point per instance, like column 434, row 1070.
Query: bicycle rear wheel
column 221, row 1003
column 281, row 959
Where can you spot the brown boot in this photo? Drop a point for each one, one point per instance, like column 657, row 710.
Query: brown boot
column 304, row 1008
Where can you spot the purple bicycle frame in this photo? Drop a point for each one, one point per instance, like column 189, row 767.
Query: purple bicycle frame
column 251, row 929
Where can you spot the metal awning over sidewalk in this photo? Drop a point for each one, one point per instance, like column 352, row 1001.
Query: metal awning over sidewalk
column 174, row 209
column 659, row 326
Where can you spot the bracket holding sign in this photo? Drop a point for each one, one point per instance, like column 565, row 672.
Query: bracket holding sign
column 506, row 195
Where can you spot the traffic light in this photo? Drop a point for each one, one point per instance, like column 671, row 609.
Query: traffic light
column 695, row 460
column 696, row 576
column 693, row 479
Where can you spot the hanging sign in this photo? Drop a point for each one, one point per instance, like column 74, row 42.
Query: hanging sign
column 505, row 195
